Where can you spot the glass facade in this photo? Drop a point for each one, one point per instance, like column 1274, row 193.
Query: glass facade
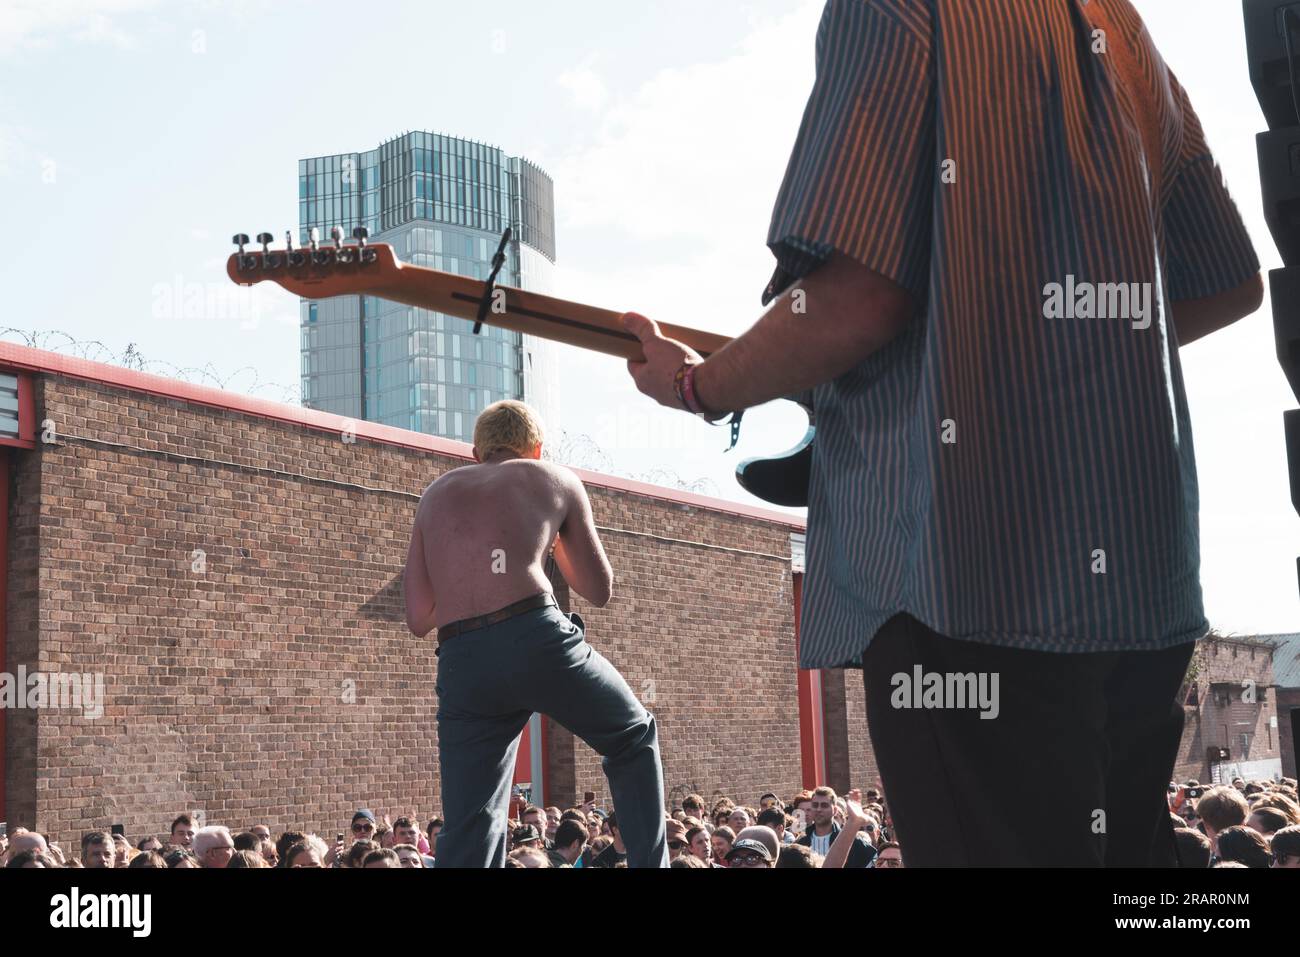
column 441, row 202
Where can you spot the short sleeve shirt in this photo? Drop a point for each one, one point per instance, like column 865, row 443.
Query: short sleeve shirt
column 1016, row 467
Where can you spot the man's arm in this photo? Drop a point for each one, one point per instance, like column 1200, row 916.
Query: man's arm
column 1196, row 318
column 579, row 555
column 417, row 590
column 818, row 329
column 838, row 853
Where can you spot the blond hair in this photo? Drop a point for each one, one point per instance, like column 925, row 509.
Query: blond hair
column 510, row 425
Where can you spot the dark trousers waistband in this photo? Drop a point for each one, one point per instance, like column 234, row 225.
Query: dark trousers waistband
column 454, row 628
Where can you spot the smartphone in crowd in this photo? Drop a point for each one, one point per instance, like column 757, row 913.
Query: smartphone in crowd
column 118, row 830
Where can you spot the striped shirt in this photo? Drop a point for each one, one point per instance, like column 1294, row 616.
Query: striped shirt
column 1016, row 467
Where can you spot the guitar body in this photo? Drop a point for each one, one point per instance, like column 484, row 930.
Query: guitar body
column 372, row 269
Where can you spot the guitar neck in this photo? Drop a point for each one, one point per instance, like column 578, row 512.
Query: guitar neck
column 547, row 317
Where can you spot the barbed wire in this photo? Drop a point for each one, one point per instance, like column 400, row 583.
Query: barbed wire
column 582, row 451
column 56, row 340
column 576, row 449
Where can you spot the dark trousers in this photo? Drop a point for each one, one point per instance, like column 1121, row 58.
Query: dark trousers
column 1073, row 770
column 490, row 681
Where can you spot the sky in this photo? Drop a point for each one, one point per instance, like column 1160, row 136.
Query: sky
column 136, row 136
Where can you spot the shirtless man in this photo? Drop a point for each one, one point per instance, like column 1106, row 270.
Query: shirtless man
column 505, row 650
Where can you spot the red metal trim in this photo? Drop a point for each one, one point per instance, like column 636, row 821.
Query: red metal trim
column 26, row 410
column 546, row 763
column 26, row 415
column 812, row 747
column 24, row 358
column 6, row 459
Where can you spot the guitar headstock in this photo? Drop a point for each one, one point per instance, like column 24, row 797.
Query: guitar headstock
column 317, row 270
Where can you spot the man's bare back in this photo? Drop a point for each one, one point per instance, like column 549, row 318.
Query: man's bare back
column 481, row 534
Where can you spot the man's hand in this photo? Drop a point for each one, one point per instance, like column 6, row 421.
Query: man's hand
column 663, row 357
column 854, row 818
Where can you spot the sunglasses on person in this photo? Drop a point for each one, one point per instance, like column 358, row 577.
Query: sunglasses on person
column 362, row 826
column 678, row 845
column 746, row 860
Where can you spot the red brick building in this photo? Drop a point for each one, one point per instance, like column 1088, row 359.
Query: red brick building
column 1230, row 704
column 232, row 568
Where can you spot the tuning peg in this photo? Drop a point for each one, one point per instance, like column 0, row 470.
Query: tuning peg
column 240, row 240
column 313, row 238
column 337, row 235
column 288, row 239
column 265, row 240
column 360, row 234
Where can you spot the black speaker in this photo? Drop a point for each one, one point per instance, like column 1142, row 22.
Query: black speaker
column 1270, row 26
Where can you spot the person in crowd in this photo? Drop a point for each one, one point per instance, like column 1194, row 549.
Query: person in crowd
column 285, row 841
column 675, row 832
column 431, row 832
column 687, row 860
column 530, row 856
column 699, row 840
column 1267, row 820
column 750, row 851
column 799, row 857
column 213, row 846
column 31, row 859
column 525, row 835
column 822, row 830
column 723, row 838
column 355, row 855
column 122, row 851
column 693, row 805
column 98, row 850
column 1193, row 848
column 1285, row 847
column 302, row 854
column 149, row 843
column 889, row 855
column 1220, row 808
column 384, row 857
column 616, row 851
column 181, row 857
column 246, row 859
column 1245, row 845
column 182, row 832
column 149, row 858
column 739, row 819
column 535, row 817
column 570, row 840
column 773, row 816
column 23, row 840
column 363, row 825
column 408, row 855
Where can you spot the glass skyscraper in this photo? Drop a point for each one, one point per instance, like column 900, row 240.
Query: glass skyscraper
column 443, row 202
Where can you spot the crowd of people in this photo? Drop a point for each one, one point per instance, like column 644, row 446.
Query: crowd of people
column 1245, row 824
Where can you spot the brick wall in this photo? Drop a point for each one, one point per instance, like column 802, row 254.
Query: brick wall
column 1227, row 663
column 1288, row 704
column 237, row 580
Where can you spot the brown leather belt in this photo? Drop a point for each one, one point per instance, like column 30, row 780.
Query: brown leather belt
column 454, row 628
